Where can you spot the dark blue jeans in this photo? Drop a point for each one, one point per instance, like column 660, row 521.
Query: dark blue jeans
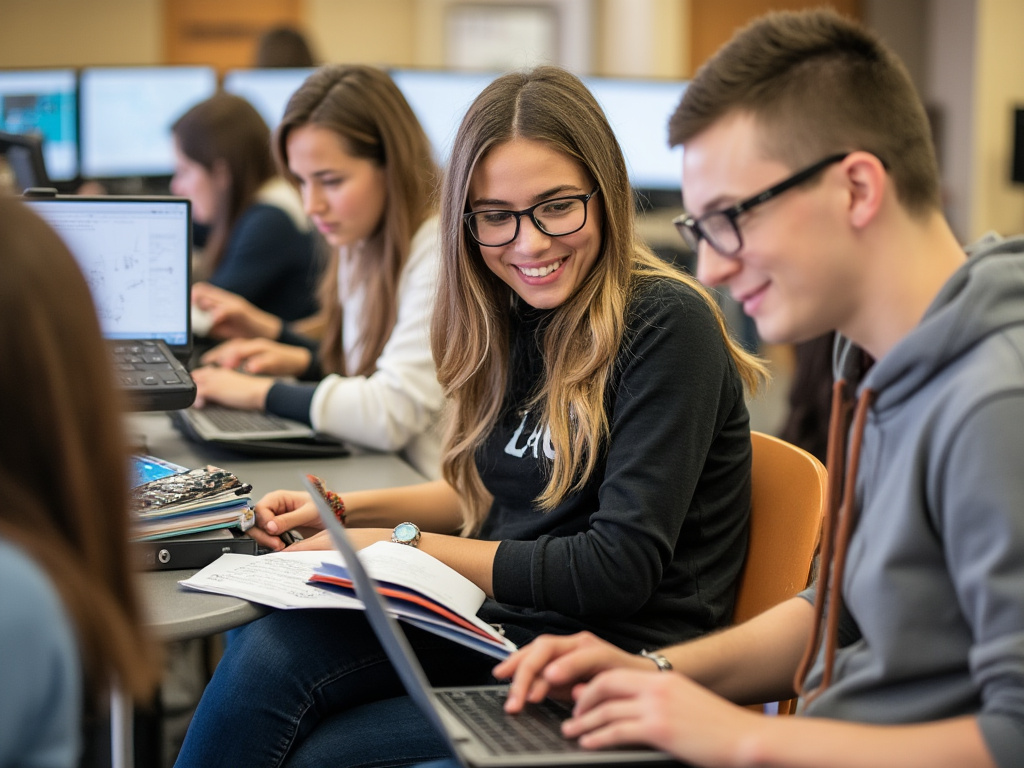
column 291, row 689
column 385, row 734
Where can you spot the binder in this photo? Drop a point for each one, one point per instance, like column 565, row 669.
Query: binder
column 193, row 550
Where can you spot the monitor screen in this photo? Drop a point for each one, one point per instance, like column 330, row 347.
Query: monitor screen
column 266, row 89
column 440, row 100
column 44, row 103
column 638, row 111
column 127, row 113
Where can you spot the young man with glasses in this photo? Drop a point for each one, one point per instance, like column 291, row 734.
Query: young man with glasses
column 812, row 194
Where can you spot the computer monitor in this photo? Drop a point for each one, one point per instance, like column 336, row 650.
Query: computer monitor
column 127, row 113
column 440, row 99
column 44, row 102
column 266, row 89
column 639, row 110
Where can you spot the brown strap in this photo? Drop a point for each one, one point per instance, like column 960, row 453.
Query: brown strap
column 837, row 528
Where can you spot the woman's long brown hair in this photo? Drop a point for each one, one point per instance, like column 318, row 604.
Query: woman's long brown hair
column 63, row 459
column 372, row 119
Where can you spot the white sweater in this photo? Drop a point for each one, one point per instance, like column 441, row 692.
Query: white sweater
column 397, row 408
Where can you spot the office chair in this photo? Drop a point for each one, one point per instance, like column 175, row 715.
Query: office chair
column 787, row 504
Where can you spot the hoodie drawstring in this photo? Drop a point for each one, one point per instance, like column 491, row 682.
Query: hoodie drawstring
column 837, row 528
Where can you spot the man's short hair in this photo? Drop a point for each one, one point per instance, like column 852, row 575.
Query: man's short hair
column 818, row 84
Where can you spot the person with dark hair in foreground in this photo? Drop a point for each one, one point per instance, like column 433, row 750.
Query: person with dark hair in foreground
column 70, row 624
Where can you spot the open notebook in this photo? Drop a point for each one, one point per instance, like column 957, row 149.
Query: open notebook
column 471, row 718
column 136, row 255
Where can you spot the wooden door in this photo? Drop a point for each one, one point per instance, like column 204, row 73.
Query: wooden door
column 713, row 22
column 222, row 33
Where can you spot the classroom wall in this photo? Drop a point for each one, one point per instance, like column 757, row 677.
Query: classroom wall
column 996, row 203
column 965, row 55
column 44, row 33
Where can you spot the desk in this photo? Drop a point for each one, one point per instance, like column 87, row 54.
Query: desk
column 178, row 614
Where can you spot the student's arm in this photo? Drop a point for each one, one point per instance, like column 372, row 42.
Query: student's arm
column 753, row 662
column 433, row 506
column 371, row 516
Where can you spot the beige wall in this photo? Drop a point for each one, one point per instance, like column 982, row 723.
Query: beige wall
column 629, row 37
column 373, row 31
column 43, row 33
column 996, row 203
column 389, row 32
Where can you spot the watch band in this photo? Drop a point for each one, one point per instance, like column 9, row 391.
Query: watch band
column 663, row 664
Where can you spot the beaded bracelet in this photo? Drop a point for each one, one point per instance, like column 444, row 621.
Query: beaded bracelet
column 332, row 498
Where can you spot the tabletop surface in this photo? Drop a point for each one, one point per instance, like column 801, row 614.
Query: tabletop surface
column 176, row 613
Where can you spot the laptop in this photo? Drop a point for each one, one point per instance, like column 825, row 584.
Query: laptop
column 256, row 433
column 471, row 718
column 136, row 254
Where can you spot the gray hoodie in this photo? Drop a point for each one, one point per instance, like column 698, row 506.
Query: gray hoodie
column 934, row 579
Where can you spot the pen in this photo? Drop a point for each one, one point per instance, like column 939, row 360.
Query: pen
column 287, row 537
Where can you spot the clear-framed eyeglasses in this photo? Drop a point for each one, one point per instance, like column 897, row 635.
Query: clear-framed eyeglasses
column 556, row 217
column 720, row 229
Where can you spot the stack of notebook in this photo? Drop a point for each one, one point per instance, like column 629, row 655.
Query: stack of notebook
column 190, row 502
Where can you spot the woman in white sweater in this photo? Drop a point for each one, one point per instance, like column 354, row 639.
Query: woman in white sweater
column 353, row 147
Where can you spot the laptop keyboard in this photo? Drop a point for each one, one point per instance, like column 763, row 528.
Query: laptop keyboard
column 153, row 378
column 234, row 420
column 534, row 730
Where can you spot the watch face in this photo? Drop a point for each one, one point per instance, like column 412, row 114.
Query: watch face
column 406, row 533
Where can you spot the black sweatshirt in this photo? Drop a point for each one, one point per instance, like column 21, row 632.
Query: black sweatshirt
column 648, row 553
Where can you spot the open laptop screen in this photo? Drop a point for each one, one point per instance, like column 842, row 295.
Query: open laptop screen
column 135, row 253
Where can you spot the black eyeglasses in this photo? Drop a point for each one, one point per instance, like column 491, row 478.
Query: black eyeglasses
column 719, row 228
column 555, row 217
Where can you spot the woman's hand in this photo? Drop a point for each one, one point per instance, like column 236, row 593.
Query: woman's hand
column 231, row 388
column 282, row 511
column 552, row 664
column 260, row 356
column 231, row 316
